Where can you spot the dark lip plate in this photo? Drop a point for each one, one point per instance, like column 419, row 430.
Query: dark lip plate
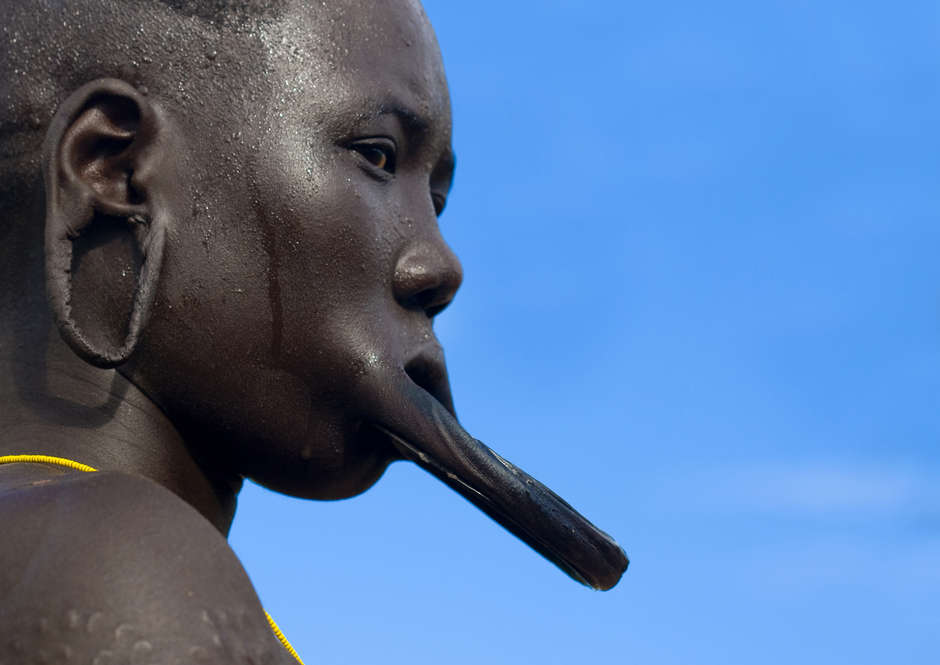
column 433, row 439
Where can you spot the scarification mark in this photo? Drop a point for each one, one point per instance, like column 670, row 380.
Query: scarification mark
column 216, row 640
column 104, row 658
column 142, row 647
column 64, row 653
column 73, row 619
column 206, row 617
column 93, row 622
column 124, row 632
column 199, row 654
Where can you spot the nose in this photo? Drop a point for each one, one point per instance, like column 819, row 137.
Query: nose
column 427, row 276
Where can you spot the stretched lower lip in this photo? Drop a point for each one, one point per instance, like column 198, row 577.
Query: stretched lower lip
column 428, row 370
column 426, row 432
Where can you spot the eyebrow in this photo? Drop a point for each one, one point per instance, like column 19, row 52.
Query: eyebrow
column 417, row 124
column 410, row 120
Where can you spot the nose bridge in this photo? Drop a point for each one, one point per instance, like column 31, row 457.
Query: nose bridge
column 427, row 273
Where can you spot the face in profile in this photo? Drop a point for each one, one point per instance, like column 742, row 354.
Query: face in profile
column 292, row 335
column 318, row 268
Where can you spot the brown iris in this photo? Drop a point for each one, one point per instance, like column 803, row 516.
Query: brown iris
column 379, row 152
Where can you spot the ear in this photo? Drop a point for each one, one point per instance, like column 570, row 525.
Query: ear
column 107, row 169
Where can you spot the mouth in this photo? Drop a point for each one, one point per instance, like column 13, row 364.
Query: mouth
column 420, row 422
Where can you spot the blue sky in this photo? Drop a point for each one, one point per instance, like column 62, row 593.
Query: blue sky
column 701, row 303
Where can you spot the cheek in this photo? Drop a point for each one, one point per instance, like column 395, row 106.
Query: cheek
column 209, row 341
column 331, row 257
column 212, row 295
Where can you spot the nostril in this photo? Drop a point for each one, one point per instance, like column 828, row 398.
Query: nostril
column 428, row 281
column 430, row 293
column 433, row 301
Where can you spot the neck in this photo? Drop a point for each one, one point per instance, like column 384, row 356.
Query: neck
column 52, row 403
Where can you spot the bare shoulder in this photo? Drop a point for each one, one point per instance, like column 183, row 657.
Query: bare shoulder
column 112, row 568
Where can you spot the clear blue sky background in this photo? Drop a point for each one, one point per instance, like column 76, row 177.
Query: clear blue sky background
column 702, row 302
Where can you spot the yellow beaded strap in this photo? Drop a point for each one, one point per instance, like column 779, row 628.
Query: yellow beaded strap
column 46, row 459
column 279, row 635
column 78, row 466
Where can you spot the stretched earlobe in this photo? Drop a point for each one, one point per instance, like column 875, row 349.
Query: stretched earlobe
column 105, row 220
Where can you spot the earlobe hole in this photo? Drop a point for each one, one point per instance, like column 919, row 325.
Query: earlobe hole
column 106, row 266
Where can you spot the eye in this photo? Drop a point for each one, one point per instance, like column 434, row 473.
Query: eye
column 378, row 152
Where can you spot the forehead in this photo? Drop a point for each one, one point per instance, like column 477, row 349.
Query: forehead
column 346, row 56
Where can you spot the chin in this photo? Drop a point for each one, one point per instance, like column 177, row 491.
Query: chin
column 332, row 475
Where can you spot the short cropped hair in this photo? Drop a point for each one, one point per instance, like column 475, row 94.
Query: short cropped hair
column 178, row 50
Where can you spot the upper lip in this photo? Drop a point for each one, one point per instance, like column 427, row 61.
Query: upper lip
column 429, row 371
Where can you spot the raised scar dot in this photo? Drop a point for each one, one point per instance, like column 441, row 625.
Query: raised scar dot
column 93, row 621
column 104, row 658
column 143, row 646
column 73, row 619
column 123, row 631
column 199, row 654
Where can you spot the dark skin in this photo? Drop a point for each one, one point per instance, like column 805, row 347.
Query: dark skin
column 269, row 320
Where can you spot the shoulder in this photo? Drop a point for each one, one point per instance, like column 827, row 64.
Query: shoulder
column 116, row 567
